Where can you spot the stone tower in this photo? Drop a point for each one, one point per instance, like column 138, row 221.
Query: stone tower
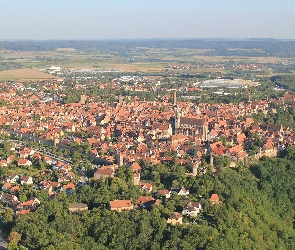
column 120, row 160
column 205, row 132
column 211, row 160
column 83, row 99
column 197, row 110
column 177, row 121
column 174, row 98
column 195, row 169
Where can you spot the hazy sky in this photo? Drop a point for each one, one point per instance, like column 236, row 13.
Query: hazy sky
column 111, row 19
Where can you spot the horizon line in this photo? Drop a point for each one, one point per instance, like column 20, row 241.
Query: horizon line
column 117, row 39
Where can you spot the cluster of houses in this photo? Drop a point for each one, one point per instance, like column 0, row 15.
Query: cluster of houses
column 12, row 184
column 192, row 208
column 134, row 129
column 130, row 130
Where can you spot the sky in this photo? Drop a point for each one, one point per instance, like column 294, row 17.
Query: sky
column 141, row 19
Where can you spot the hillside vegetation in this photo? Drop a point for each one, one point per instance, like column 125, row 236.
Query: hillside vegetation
column 256, row 212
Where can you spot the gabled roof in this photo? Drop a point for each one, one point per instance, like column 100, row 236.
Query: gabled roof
column 135, row 166
column 120, row 204
column 214, row 198
column 144, row 199
column 104, row 172
column 69, row 186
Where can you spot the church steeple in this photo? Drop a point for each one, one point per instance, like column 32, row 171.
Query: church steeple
column 177, row 121
column 174, row 98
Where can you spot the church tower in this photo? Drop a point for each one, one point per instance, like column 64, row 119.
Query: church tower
column 174, row 98
column 83, row 99
column 205, row 132
column 120, row 159
column 177, row 121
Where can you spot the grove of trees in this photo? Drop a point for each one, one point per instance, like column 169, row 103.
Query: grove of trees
column 256, row 212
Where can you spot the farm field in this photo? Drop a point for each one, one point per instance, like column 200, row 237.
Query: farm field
column 22, row 65
column 24, row 74
column 133, row 67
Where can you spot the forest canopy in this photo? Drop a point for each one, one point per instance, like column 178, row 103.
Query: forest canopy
column 256, row 212
column 216, row 47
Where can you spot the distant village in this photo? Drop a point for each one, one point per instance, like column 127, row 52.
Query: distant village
column 129, row 131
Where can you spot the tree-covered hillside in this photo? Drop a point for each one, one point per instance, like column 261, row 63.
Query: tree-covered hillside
column 216, row 47
column 256, row 212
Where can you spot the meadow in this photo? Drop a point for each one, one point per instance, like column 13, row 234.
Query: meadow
column 25, row 74
column 31, row 65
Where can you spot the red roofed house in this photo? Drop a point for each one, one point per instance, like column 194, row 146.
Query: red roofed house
column 289, row 97
column 145, row 201
column 27, row 206
column 217, row 148
column 23, row 211
column 69, row 188
column 10, row 158
column 3, row 163
column 48, row 160
column 163, row 192
column 15, row 188
column 24, row 162
column 146, row 187
column 214, row 199
column 6, row 186
column 105, row 171
column 135, row 167
column 119, row 205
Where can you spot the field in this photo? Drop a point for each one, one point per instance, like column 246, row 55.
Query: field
column 24, row 74
column 133, row 67
column 28, row 65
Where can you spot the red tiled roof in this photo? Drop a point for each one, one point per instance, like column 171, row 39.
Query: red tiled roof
column 144, row 199
column 69, row 186
column 23, row 212
column 120, row 204
column 214, row 198
column 135, row 166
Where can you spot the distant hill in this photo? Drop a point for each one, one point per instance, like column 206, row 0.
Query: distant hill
column 218, row 47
